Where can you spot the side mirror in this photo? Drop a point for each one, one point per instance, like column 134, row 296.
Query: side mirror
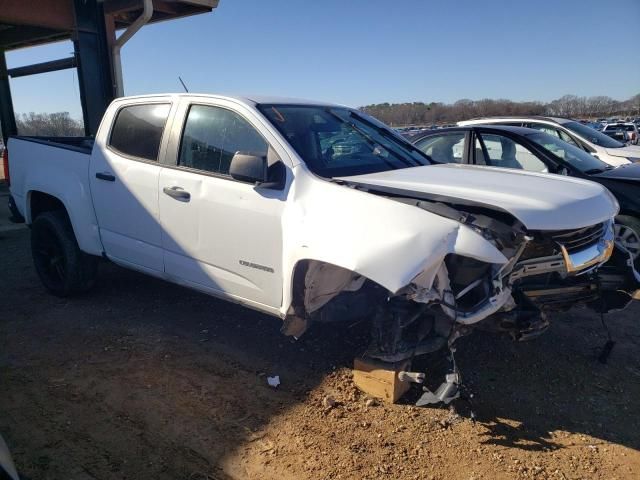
column 249, row 168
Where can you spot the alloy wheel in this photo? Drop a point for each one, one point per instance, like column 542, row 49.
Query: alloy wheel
column 628, row 238
column 49, row 254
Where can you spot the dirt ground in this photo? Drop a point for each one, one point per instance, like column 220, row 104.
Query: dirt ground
column 140, row 379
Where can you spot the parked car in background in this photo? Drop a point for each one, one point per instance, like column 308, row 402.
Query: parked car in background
column 596, row 143
column 410, row 131
column 619, row 135
column 535, row 151
column 630, row 128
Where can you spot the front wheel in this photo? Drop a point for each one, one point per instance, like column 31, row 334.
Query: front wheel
column 627, row 233
column 62, row 267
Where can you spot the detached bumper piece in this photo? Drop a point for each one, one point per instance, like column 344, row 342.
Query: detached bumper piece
column 447, row 392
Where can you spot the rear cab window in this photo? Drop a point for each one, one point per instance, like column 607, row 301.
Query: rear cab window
column 137, row 130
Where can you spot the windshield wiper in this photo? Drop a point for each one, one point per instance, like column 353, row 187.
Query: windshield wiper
column 593, row 171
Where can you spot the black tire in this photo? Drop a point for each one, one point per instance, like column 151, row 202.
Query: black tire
column 62, row 267
column 632, row 226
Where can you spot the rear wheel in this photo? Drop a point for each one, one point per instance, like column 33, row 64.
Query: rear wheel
column 627, row 232
column 62, row 267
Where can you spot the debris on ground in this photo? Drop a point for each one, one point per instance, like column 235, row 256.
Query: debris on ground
column 328, row 402
column 273, row 381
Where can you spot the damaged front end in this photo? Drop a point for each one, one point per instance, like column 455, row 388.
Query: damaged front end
column 537, row 272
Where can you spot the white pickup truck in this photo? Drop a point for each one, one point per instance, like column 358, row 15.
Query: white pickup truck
column 313, row 212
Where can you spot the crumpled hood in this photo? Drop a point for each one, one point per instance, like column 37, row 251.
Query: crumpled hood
column 628, row 151
column 540, row 201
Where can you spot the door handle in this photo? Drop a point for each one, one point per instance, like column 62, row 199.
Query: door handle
column 105, row 176
column 178, row 193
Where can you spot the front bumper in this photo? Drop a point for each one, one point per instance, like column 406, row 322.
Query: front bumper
column 599, row 273
column 610, row 287
column 584, row 260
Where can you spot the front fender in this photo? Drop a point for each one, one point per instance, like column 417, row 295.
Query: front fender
column 388, row 242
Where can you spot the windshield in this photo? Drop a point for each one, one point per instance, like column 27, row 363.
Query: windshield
column 593, row 136
column 574, row 156
column 337, row 141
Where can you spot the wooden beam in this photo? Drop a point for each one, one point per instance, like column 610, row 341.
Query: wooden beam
column 12, row 37
column 55, row 14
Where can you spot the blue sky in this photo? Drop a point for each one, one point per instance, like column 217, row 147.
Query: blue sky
column 359, row 52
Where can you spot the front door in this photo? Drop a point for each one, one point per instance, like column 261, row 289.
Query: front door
column 219, row 234
column 124, row 174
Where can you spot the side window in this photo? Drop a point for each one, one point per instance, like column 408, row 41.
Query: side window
column 448, row 148
column 545, row 128
column 565, row 137
column 137, row 130
column 504, row 152
column 553, row 131
column 213, row 135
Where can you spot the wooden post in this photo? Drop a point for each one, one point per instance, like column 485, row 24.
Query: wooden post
column 380, row 379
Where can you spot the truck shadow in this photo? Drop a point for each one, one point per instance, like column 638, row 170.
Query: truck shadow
column 144, row 379
column 528, row 395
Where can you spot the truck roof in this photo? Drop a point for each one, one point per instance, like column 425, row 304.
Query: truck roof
column 246, row 99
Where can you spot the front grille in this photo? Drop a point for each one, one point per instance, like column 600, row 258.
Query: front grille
column 547, row 244
column 576, row 240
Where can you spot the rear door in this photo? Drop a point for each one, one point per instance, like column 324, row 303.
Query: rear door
column 221, row 235
column 123, row 173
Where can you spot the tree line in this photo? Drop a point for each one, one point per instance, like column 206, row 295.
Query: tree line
column 573, row 106
column 58, row 124
column 61, row 124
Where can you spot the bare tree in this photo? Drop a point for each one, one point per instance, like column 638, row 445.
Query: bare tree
column 59, row 124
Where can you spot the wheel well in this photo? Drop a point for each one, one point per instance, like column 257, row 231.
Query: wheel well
column 40, row 202
column 327, row 282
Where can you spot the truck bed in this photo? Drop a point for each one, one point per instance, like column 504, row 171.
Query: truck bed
column 58, row 167
column 77, row 144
